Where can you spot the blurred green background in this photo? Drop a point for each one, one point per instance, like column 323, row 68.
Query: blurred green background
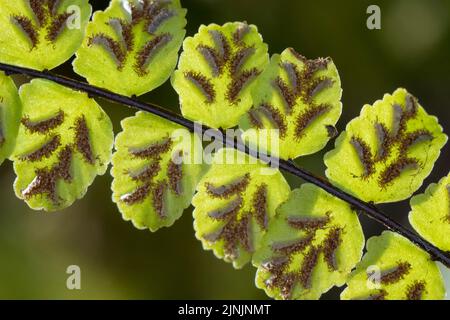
column 117, row 261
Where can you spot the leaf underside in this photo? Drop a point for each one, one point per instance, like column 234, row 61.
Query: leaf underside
column 394, row 269
column 154, row 171
column 132, row 47
column 312, row 244
column 234, row 205
column 430, row 213
column 298, row 97
column 10, row 111
column 302, row 242
column 65, row 139
column 41, row 34
column 217, row 70
column 388, row 150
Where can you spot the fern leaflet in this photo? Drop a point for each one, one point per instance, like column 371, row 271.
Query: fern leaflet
column 65, row 139
column 388, row 150
column 41, row 34
column 132, row 47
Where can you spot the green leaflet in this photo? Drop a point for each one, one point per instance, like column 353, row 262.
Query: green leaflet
column 312, row 245
column 430, row 213
column 234, row 204
column 217, row 71
column 394, row 269
column 132, row 47
column 65, row 139
column 388, row 150
column 298, row 97
column 10, row 111
column 151, row 186
column 41, row 34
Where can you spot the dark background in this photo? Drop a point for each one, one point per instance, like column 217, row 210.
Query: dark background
column 117, row 261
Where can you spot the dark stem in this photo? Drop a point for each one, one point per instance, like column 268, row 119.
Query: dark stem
column 288, row 166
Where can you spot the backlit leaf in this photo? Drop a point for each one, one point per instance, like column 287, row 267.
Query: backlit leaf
column 235, row 202
column 312, row 245
column 385, row 154
column 10, row 111
column 65, row 140
column 41, row 34
column 152, row 186
column 298, row 97
column 430, row 213
column 394, row 269
column 132, row 47
column 217, row 70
